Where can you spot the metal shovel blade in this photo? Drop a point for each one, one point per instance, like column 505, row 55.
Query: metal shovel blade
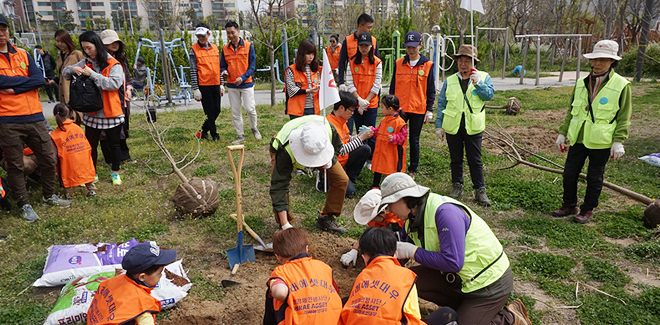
column 264, row 248
column 229, row 283
column 241, row 253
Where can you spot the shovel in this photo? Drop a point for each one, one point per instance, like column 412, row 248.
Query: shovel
column 241, row 253
column 263, row 247
column 228, row 283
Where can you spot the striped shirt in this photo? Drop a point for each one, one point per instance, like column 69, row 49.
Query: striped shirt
column 293, row 89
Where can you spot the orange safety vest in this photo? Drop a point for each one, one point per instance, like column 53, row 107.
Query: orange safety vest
column 119, row 300
column 238, row 61
column 379, row 294
column 27, row 103
column 352, row 45
column 390, row 218
column 364, row 76
column 296, row 105
column 312, row 296
column 3, row 192
column 411, row 84
column 27, row 151
column 75, row 155
column 333, row 56
column 388, row 158
column 111, row 100
column 344, row 134
column 208, row 65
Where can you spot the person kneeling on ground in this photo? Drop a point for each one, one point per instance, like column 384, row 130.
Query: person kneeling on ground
column 297, row 280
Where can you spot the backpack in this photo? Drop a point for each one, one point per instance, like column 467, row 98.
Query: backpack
column 84, row 95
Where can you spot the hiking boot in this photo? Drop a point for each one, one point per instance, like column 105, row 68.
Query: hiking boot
column 28, row 214
column 56, row 201
column 116, row 179
column 565, row 210
column 91, row 193
column 256, row 134
column 456, row 191
column 481, row 197
column 584, row 216
column 328, row 223
column 240, row 139
column 320, row 181
column 519, row 312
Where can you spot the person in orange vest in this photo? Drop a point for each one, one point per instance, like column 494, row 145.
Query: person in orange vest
column 333, row 53
column 238, row 62
column 74, row 152
column 301, row 290
column 4, row 201
column 349, row 47
column 22, row 123
column 108, row 74
column 126, row 298
column 302, row 82
column 384, row 291
column 413, row 81
column 206, row 80
column 391, row 141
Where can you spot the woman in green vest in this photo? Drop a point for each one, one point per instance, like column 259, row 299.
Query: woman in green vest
column 595, row 127
column 462, row 264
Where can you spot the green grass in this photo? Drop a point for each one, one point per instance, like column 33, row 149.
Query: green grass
column 550, row 265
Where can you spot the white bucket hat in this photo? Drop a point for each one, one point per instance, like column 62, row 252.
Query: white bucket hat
column 400, row 185
column 604, row 49
column 109, row 36
column 368, row 207
column 311, row 145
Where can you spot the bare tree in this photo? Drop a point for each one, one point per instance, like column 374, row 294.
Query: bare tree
column 646, row 21
column 163, row 13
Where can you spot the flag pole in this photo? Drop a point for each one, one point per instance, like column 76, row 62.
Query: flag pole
column 472, row 30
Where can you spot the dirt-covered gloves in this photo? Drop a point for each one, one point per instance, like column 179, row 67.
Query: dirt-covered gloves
column 440, row 133
column 364, row 104
column 343, row 87
column 428, row 117
column 562, row 144
column 197, row 94
column 405, row 250
column 474, row 76
column 350, row 257
column 617, row 150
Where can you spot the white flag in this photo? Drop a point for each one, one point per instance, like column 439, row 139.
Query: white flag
column 328, row 94
column 472, row 5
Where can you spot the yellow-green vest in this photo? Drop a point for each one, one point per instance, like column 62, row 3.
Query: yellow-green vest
column 475, row 120
column 282, row 137
column 599, row 133
column 481, row 246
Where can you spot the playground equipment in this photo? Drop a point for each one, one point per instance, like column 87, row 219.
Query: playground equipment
column 526, row 38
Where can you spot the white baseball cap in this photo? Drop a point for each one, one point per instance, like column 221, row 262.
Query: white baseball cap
column 367, row 208
column 604, row 49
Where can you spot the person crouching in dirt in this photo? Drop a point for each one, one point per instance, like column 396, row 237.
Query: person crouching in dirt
column 595, row 127
column 294, row 286
column 444, row 236
column 308, row 141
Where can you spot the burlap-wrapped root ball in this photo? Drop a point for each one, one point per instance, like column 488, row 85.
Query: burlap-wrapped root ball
column 651, row 216
column 514, row 106
column 199, row 197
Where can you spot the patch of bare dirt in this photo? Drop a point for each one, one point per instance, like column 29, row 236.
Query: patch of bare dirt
column 536, row 138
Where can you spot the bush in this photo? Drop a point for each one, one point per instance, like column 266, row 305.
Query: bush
column 651, row 67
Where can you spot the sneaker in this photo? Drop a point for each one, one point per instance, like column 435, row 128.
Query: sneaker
column 51, row 101
column 565, row 210
column 456, row 191
column 204, row 136
column 91, row 193
column 519, row 312
column 96, row 178
column 320, row 181
column 481, row 197
column 116, row 179
column 28, row 214
column 328, row 223
column 584, row 216
column 256, row 134
column 240, row 139
column 367, row 164
column 215, row 137
column 56, row 201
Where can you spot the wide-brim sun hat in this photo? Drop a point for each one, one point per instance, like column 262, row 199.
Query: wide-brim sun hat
column 109, row 36
column 399, row 185
column 368, row 207
column 467, row 50
column 311, row 145
column 605, row 49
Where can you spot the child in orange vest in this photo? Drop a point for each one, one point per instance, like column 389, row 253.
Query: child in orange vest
column 4, row 202
column 391, row 136
column 126, row 298
column 301, row 290
column 75, row 166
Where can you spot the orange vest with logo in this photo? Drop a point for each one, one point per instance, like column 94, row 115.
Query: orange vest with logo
column 119, row 300
column 237, row 61
column 389, row 158
column 296, row 105
column 27, row 103
column 333, row 56
column 390, row 218
column 312, row 296
column 344, row 134
column 352, row 46
column 364, row 76
column 111, row 100
column 379, row 294
column 411, row 84
column 208, row 65
column 75, row 155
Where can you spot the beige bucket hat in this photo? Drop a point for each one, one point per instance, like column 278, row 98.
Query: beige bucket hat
column 604, row 49
column 109, row 36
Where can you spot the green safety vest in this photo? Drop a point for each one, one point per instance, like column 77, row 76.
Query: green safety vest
column 599, row 132
column 282, row 137
column 475, row 119
column 481, row 246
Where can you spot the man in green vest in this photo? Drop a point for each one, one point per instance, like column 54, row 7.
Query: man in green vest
column 462, row 120
column 462, row 264
column 595, row 127
column 307, row 142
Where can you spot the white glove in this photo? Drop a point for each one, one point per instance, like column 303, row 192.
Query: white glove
column 405, row 250
column 343, row 87
column 428, row 117
column 440, row 133
column 287, row 226
column 328, row 165
column 222, row 90
column 198, row 95
column 617, row 150
column 350, row 257
column 364, row 104
column 562, row 144
column 474, row 76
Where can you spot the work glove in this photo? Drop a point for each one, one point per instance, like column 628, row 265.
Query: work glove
column 364, row 104
column 197, row 94
column 440, row 133
column 222, row 91
column 405, row 250
column 617, row 150
column 328, row 165
column 562, row 144
column 474, row 76
column 350, row 257
column 363, row 128
column 343, row 87
column 428, row 117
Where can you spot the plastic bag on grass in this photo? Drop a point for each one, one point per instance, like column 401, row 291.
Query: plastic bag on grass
column 651, row 159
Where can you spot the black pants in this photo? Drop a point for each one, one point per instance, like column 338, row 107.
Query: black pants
column 415, row 123
column 354, row 165
column 211, row 105
column 55, row 88
column 472, row 145
column 577, row 154
column 113, row 136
